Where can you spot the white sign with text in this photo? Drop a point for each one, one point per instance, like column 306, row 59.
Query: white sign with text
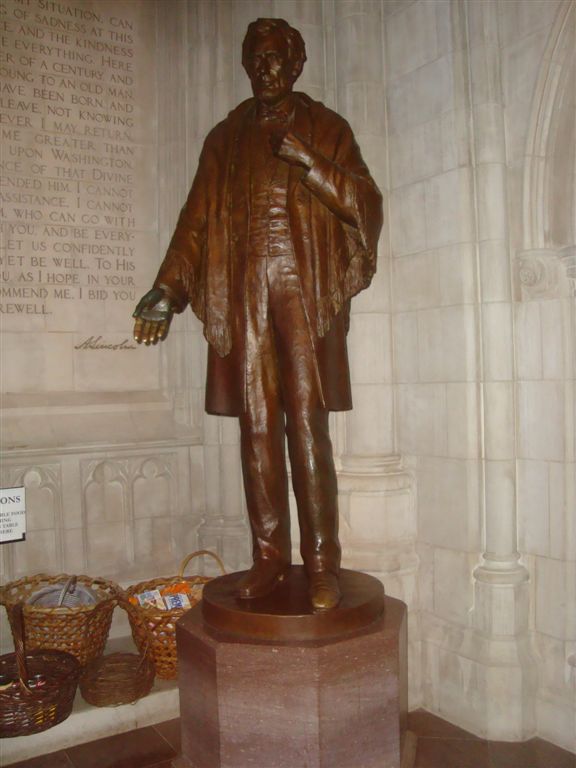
column 12, row 514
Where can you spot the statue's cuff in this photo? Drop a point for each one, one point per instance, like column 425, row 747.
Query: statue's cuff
column 316, row 176
column 176, row 304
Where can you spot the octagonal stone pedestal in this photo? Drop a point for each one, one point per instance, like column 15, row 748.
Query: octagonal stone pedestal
column 331, row 703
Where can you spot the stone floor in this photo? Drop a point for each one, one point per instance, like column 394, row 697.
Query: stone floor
column 440, row 745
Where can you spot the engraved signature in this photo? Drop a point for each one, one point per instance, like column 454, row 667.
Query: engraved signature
column 98, row 342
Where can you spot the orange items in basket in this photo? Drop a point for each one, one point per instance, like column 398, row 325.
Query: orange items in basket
column 172, row 596
column 181, row 587
column 154, row 628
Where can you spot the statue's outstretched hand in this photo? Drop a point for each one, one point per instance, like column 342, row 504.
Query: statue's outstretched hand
column 153, row 317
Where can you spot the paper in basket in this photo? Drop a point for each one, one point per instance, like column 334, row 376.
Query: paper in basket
column 151, row 599
column 177, row 601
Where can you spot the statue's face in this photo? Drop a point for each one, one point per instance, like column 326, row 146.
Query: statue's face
column 270, row 69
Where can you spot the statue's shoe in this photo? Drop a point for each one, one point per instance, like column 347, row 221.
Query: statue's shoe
column 261, row 579
column 323, row 590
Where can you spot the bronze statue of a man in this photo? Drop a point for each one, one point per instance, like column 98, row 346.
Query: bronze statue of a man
column 278, row 233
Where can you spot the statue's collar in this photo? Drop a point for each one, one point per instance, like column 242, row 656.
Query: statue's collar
column 282, row 113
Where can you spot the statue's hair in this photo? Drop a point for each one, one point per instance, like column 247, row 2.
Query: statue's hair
column 261, row 27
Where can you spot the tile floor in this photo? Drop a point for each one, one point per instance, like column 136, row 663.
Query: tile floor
column 440, row 745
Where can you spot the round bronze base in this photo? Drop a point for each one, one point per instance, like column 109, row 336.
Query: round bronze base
column 286, row 614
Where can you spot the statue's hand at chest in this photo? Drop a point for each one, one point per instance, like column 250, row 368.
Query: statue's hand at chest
column 291, row 148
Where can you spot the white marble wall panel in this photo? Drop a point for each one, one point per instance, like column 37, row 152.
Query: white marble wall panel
column 410, row 157
column 96, row 372
column 422, row 419
column 494, row 268
column 519, row 19
column 449, row 503
column 521, row 68
column 440, row 277
column 416, row 281
column 562, row 535
column 556, row 595
column 412, row 38
column 426, row 576
column 499, row 434
column 406, row 347
column 455, row 146
column 407, row 219
column 369, row 348
column 40, row 554
column 457, row 271
column 555, row 710
column 540, row 340
column 421, row 95
column 359, row 43
column 301, row 12
column 432, row 213
column 373, row 407
column 497, row 341
column 534, row 507
column 448, row 344
column 492, row 219
column 528, row 341
column 463, row 420
column 554, row 365
column 364, row 108
column 542, row 417
column 37, row 362
column 449, row 211
column 393, row 523
column 453, row 584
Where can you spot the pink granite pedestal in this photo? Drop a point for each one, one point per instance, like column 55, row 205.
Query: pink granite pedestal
column 335, row 703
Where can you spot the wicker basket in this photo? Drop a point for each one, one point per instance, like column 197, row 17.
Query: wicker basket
column 81, row 630
column 25, row 709
column 159, row 627
column 118, row 678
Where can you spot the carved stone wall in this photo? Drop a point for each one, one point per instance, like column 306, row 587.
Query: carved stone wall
column 118, row 514
column 481, row 132
column 104, row 436
column 545, row 338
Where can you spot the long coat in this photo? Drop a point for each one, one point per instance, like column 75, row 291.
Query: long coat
column 335, row 214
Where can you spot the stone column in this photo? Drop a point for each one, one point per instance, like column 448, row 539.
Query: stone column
column 376, row 493
column 360, row 98
column 501, row 609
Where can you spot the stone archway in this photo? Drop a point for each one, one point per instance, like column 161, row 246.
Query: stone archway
column 545, row 279
column 549, row 127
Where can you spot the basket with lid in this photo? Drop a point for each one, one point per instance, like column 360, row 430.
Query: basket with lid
column 63, row 612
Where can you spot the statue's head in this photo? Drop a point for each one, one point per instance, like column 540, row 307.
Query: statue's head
column 273, row 54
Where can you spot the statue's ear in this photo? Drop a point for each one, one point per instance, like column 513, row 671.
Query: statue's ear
column 297, row 70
